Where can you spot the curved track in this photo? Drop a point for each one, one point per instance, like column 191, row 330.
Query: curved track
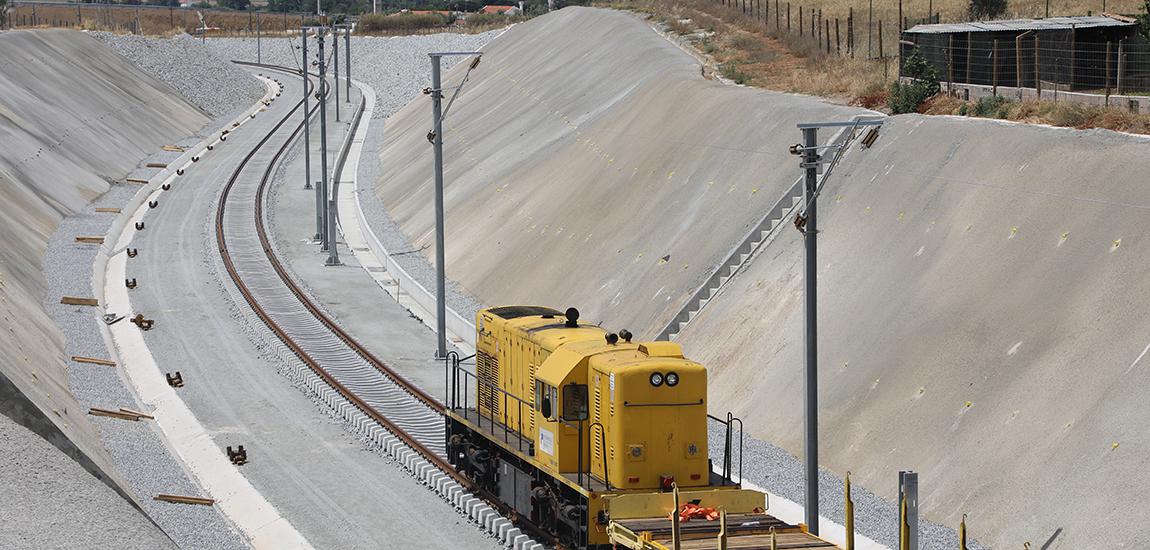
column 246, row 249
column 362, row 379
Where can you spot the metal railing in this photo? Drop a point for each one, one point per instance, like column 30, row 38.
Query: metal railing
column 457, row 378
column 728, row 442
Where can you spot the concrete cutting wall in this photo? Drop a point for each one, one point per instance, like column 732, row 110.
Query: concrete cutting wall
column 982, row 294
column 73, row 115
column 981, row 282
column 589, row 163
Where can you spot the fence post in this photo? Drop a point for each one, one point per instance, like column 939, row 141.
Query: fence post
column 1018, row 65
column 801, row 21
column 1037, row 74
column 1107, row 73
column 851, row 31
column 819, row 34
column 900, row 19
column 950, row 65
column 1073, row 54
column 994, row 69
column 827, row 24
column 777, row 18
column 968, row 61
column 1121, row 65
column 880, row 54
column 788, row 17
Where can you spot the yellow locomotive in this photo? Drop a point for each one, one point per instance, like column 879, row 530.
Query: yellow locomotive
column 575, row 428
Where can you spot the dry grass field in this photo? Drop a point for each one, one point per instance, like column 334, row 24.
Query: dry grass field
column 151, row 20
column 747, row 48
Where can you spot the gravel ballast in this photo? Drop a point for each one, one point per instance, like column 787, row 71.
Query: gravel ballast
column 208, row 82
column 137, row 449
column 397, row 68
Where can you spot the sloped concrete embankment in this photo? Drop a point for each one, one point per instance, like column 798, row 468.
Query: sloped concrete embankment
column 589, row 163
column 982, row 321
column 981, row 282
column 73, row 116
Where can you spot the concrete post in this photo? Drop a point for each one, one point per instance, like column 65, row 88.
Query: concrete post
column 440, row 277
column 332, row 206
column 259, row 49
column 307, row 142
column 325, row 236
column 347, row 58
column 811, row 400
column 335, row 66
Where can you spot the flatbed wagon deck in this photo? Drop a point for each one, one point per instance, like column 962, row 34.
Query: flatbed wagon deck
column 744, row 531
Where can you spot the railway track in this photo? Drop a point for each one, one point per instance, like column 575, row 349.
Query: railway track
column 363, row 380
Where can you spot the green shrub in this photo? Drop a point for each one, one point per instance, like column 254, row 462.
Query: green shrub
column 1144, row 21
column 731, row 71
column 906, row 97
column 989, row 107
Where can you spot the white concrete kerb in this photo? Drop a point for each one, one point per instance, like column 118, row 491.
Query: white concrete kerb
column 235, row 497
column 374, row 258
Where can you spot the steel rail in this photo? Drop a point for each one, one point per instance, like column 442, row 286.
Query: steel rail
column 410, row 410
column 331, row 325
column 291, row 338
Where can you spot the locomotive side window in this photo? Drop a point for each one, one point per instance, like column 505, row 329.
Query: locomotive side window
column 575, row 402
column 550, row 401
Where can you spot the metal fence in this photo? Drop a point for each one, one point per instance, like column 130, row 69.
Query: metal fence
column 1044, row 64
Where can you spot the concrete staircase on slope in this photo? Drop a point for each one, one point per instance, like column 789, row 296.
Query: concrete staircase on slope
column 745, row 251
column 760, row 233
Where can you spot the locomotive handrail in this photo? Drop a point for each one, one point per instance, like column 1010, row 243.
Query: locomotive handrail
column 454, row 367
column 727, row 448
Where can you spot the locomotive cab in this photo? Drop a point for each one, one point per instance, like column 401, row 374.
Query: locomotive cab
column 640, row 410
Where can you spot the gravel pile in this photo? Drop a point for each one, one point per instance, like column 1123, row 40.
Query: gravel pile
column 136, row 448
column 208, row 82
column 397, row 67
column 50, row 501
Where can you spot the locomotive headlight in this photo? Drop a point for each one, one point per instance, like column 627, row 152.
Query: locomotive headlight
column 672, row 379
column 656, row 379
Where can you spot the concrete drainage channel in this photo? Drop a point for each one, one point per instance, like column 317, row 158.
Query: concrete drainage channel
column 351, row 382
